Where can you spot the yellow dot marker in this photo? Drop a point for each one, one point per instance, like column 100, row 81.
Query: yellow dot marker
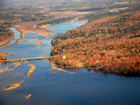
column 64, row 57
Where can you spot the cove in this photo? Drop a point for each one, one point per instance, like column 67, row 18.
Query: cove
column 82, row 87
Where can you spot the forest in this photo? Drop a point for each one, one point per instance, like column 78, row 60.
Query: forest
column 110, row 44
column 56, row 21
column 15, row 11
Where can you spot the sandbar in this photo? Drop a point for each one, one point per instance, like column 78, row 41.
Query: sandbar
column 6, row 69
column 59, row 69
column 28, row 96
column 39, row 43
column 33, row 67
column 16, row 64
column 26, row 27
column 54, row 72
column 13, row 86
column 45, row 26
column 43, row 54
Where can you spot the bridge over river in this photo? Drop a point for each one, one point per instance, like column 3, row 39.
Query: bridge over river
column 24, row 59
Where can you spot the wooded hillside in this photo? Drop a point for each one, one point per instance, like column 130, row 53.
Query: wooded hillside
column 110, row 44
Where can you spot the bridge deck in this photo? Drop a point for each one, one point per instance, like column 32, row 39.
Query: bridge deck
column 24, row 59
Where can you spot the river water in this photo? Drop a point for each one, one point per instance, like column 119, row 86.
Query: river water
column 82, row 87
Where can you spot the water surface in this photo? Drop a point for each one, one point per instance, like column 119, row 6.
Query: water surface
column 61, row 88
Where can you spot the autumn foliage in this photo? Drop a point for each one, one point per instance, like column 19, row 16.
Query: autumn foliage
column 110, row 44
column 2, row 56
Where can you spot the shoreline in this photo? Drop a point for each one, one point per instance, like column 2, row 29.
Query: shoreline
column 100, row 69
column 24, row 28
column 7, row 41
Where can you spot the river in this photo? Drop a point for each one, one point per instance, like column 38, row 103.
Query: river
column 48, row 86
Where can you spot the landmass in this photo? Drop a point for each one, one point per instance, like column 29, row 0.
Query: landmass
column 26, row 27
column 13, row 86
column 110, row 44
column 33, row 67
column 28, row 96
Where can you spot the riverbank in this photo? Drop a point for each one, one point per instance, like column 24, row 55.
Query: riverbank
column 124, row 65
column 7, row 41
column 102, row 45
column 26, row 27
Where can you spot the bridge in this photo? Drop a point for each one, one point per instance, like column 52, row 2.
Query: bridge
column 24, row 59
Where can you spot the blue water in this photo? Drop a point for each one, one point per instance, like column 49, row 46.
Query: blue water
column 16, row 36
column 82, row 88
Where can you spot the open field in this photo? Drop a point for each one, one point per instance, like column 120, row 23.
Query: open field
column 70, row 13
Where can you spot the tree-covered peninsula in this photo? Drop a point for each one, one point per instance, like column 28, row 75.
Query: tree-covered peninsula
column 110, row 43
